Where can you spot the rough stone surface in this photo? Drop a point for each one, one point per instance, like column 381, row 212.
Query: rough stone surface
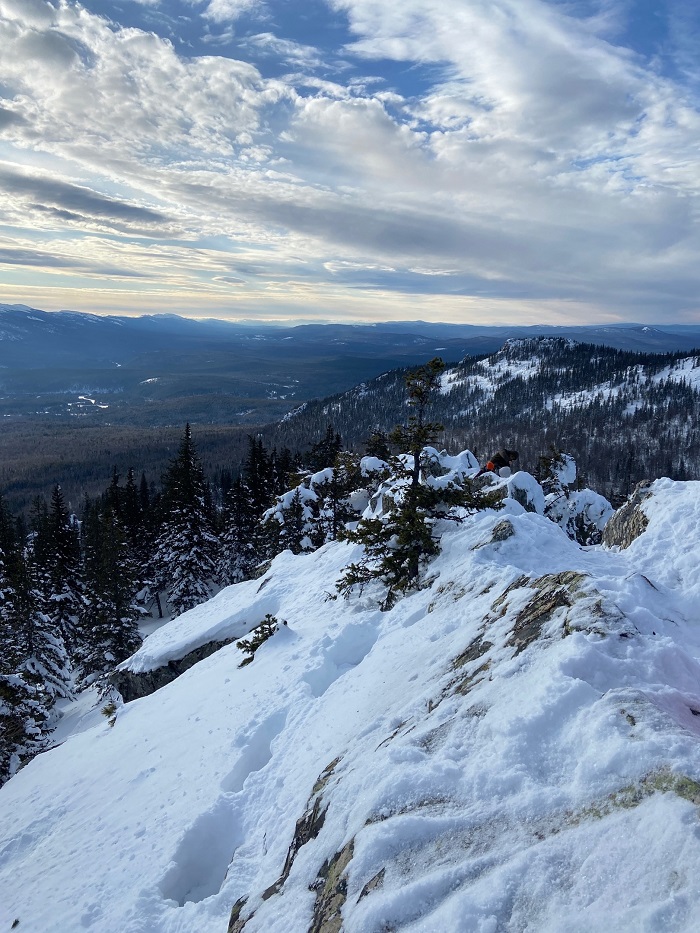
column 332, row 892
column 373, row 884
column 503, row 530
column 236, row 922
column 629, row 522
column 554, row 591
column 132, row 686
column 307, row 828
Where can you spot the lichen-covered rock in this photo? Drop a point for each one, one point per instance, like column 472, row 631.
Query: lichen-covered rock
column 308, row 826
column 629, row 522
column 553, row 591
column 236, row 921
column 332, row 892
column 133, row 685
column 502, row 531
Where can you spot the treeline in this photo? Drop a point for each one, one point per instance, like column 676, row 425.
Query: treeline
column 35, row 455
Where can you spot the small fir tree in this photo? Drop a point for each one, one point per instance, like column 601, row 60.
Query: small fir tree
column 404, row 538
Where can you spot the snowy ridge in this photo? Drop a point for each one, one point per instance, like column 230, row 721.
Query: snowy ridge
column 524, row 359
column 514, row 747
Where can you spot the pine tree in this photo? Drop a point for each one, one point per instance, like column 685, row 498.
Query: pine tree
column 399, row 542
column 186, row 548
column 335, row 508
column 289, row 524
column 41, row 653
column 55, row 567
column 10, row 655
column 34, row 667
column 324, row 452
column 23, row 722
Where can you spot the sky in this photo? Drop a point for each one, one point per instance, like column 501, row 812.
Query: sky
column 477, row 161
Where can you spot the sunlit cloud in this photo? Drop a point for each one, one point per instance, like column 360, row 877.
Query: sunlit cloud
column 533, row 156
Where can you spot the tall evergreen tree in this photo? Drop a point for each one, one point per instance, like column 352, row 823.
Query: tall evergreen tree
column 55, row 566
column 238, row 555
column 23, row 722
column 186, row 547
column 109, row 620
column 9, row 655
column 34, row 667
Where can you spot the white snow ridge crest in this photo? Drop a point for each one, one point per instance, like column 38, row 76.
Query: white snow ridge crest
column 514, row 747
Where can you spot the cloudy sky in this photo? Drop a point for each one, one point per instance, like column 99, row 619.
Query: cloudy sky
column 458, row 160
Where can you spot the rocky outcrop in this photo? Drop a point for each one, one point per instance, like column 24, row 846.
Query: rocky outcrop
column 331, row 892
column 629, row 522
column 329, row 883
column 132, row 686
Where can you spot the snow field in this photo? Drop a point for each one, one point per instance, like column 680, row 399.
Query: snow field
column 486, row 783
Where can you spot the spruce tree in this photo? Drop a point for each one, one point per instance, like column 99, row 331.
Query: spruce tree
column 400, row 541
column 34, row 668
column 238, row 554
column 109, row 620
column 23, row 722
column 324, row 452
column 186, row 547
column 55, row 566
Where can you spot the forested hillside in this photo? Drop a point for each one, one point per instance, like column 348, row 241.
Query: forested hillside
column 623, row 416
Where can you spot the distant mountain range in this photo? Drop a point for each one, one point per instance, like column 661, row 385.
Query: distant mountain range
column 34, row 339
column 159, row 370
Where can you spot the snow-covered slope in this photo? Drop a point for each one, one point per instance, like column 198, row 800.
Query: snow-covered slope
column 514, row 748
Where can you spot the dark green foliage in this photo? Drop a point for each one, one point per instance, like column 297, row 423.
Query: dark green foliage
column 238, row 554
column 258, row 475
column 377, row 445
column 258, row 636
column 400, row 542
column 324, row 452
column 186, row 548
column 109, row 619
column 55, row 566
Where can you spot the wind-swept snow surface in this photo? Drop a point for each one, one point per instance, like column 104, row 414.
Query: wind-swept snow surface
column 516, row 747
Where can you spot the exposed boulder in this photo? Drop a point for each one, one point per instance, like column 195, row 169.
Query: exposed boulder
column 132, row 686
column 629, row 522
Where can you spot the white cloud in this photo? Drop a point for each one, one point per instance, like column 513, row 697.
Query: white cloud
column 38, row 13
column 530, row 157
column 294, row 53
column 224, row 11
column 107, row 95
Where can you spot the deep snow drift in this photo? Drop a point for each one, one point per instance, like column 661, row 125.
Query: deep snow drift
column 513, row 748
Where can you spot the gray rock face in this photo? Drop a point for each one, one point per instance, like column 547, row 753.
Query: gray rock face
column 629, row 522
column 132, row 686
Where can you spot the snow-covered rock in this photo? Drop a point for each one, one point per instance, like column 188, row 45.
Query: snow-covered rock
column 514, row 747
